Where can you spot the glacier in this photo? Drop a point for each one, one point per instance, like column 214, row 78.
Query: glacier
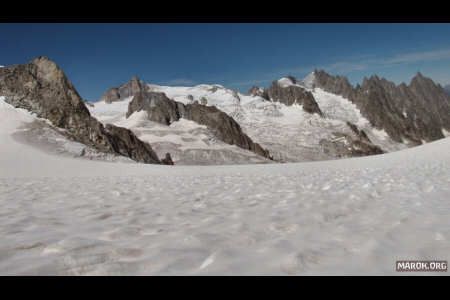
column 288, row 132
column 64, row 215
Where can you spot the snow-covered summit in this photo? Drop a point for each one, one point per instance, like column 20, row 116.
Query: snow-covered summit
column 288, row 132
column 288, row 81
column 309, row 80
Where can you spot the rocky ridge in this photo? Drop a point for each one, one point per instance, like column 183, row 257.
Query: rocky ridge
column 413, row 113
column 292, row 93
column 163, row 110
column 42, row 88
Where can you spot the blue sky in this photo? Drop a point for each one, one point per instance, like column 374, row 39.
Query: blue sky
column 96, row 57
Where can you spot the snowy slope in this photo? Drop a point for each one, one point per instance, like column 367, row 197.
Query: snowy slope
column 187, row 142
column 288, row 132
column 63, row 215
column 30, row 132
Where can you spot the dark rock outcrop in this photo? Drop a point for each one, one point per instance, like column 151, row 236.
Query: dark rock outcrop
column 294, row 94
column 416, row 112
column 129, row 89
column 41, row 87
column 161, row 109
column 258, row 91
column 353, row 144
column 158, row 107
column 167, row 160
column 338, row 85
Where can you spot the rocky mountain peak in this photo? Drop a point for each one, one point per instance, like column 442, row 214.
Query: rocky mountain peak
column 42, row 88
column 310, row 80
column 420, row 80
column 258, row 91
column 413, row 113
column 290, row 94
column 48, row 71
column 164, row 110
column 119, row 93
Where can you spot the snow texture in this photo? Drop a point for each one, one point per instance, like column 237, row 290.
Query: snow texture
column 288, row 132
column 188, row 142
column 68, row 216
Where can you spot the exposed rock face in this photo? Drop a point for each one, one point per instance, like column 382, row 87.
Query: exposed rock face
column 158, row 107
column 161, row 109
column 167, row 160
column 349, row 145
column 334, row 84
column 258, row 91
column 119, row 93
column 416, row 112
column 292, row 94
column 41, row 87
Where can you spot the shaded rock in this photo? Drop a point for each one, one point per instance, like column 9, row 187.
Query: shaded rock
column 167, row 160
column 414, row 113
column 41, row 87
column 334, row 84
column 356, row 143
column 158, row 107
column 258, row 91
column 214, row 88
column 124, row 91
column 161, row 109
column 294, row 94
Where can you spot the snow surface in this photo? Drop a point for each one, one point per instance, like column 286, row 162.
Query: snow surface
column 186, row 141
column 355, row 216
column 288, row 132
column 309, row 80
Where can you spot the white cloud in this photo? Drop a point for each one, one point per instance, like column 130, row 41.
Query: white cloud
column 418, row 56
column 346, row 67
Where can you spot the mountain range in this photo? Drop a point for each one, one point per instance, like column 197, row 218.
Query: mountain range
column 320, row 117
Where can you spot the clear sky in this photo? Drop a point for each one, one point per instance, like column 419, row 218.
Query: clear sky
column 96, row 57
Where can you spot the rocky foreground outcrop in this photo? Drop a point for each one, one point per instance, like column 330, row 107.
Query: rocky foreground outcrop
column 293, row 94
column 163, row 110
column 42, row 88
column 413, row 113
